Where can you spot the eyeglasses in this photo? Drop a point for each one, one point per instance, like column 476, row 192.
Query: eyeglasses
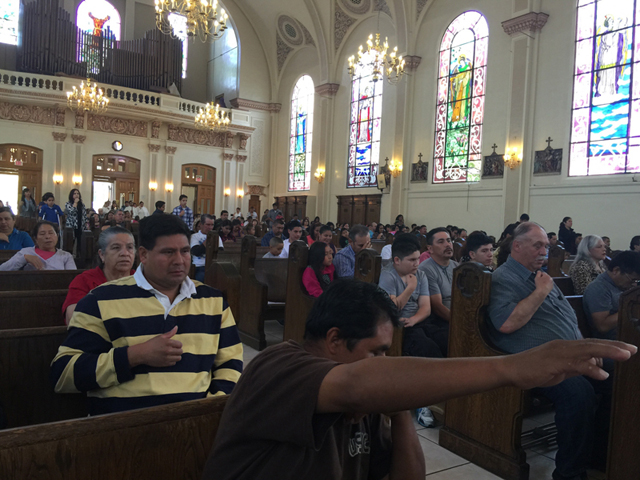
column 634, row 282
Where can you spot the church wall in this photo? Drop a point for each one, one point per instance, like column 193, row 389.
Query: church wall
column 145, row 19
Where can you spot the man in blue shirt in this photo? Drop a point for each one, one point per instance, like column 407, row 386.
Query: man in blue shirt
column 184, row 212
column 276, row 231
column 527, row 310
column 601, row 298
column 345, row 260
column 10, row 237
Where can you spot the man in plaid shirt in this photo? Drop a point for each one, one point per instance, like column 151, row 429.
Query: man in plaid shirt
column 184, row 212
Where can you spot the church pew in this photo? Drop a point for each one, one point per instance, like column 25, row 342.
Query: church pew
column 6, row 255
column 483, row 428
column 230, row 252
column 263, row 280
column 31, row 309
column 565, row 284
column 168, row 442
column 222, row 276
column 457, row 250
column 26, row 224
column 31, row 280
column 623, row 461
column 26, row 393
column 378, row 245
column 299, row 302
column 556, row 259
column 583, row 324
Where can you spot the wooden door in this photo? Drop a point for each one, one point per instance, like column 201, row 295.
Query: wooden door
column 128, row 190
column 254, row 201
column 373, row 209
column 205, row 200
column 358, row 216
column 33, row 181
column 345, row 209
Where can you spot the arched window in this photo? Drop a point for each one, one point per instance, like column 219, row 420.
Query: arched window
column 605, row 133
column 9, row 21
column 301, row 135
column 179, row 25
column 99, row 18
column 460, row 103
column 364, row 135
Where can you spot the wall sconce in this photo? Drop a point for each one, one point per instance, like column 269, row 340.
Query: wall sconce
column 77, row 179
column 227, row 192
column 395, row 168
column 57, row 179
column 319, row 174
column 168, row 187
column 512, row 158
column 153, row 186
column 240, row 193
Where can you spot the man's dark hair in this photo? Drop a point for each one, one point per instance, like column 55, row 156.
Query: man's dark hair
column 42, row 223
column 432, row 233
column 47, row 196
column 223, row 212
column 404, row 245
column 628, row 262
column 634, row 241
column 358, row 231
column 159, row 204
column 7, row 209
column 206, row 216
column 550, row 235
column 278, row 221
column 293, row 224
column 331, row 225
column 181, row 197
column 235, row 222
column 274, row 205
column 354, row 307
column 155, row 226
column 524, row 217
column 604, row 237
column 325, row 228
column 477, row 240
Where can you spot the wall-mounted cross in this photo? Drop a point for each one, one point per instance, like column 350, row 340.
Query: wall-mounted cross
column 549, row 140
column 494, row 146
column 420, row 157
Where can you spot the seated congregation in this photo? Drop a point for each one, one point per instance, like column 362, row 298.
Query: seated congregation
column 163, row 315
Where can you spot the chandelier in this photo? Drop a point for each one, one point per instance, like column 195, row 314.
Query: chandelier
column 512, row 158
column 211, row 117
column 390, row 66
column 87, row 99
column 202, row 18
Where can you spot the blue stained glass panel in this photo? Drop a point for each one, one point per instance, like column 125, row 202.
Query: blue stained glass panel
column 301, row 134
column 9, row 21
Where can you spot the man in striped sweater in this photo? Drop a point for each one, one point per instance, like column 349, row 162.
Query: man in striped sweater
column 153, row 338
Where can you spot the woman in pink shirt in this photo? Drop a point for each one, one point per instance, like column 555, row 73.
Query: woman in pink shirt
column 320, row 272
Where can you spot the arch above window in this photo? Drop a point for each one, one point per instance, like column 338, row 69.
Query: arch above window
column 97, row 17
column 605, row 131
column 301, row 134
column 460, row 101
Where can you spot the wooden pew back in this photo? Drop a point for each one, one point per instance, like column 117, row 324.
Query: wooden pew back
column 556, row 259
column 565, row 284
column 37, row 280
column 160, row 443
column 624, row 462
column 26, row 224
column 6, row 255
column 299, row 302
column 26, row 393
column 31, row 309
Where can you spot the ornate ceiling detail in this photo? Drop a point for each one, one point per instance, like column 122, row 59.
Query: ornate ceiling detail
column 154, row 148
column 528, row 23
column 229, row 139
column 356, row 6
column 327, row 89
column 30, row 114
column 283, row 51
column 100, row 123
column 255, row 105
column 196, row 137
column 155, row 129
column 80, row 120
column 381, row 6
column 308, row 39
column 256, row 190
column 78, row 138
column 412, row 62
column 290, row 30
column 59, row 137
column 243, row 141
column 420, row 4
column 342, row 23
column 170, row 150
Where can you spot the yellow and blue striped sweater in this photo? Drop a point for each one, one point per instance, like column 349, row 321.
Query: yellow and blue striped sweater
column 119, row 314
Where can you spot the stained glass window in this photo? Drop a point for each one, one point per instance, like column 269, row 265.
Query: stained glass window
column 9, row 21
column 605, row 133
column 179, row 25
column 98, row 17
column 460, row 103
column 301, row 135
column 364, row 135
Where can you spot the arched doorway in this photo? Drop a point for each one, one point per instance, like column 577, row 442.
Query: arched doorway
column 115, row 177
column 199, row 184
column 20, row 167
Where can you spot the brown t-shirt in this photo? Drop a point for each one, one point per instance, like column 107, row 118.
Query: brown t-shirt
column 269, row 429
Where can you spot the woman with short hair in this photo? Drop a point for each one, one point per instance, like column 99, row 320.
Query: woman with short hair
column 589, row 263
column 44, row 256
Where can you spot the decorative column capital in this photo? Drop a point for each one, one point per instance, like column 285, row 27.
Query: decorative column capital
column 78, row 138
column 60, row 114
column 243, row 140
column 257, row 190
column 229, row 139
column 528, row 23
column 227, row 156
column 80, row 120
column 155, row 129
column 59, row 137
column 241, row 158
column 411, row 63
column 328, row 90
column 171, row 150
column 154, row 148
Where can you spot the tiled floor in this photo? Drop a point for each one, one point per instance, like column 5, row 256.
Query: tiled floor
column 441, row 463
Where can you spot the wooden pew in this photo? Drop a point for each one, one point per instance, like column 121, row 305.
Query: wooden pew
column 26, row 224
column 223, row 276
column 6, row 255
column 565, row 284
column 556, row 259
column 623, row 462
column 168, row 442
column 378, row 245
column 299, row 302
column 37, row 280
column 26, row 393
column 31, row 309
column 263, row 280
column 583, row 324
column 457, row 250
column 483, row 428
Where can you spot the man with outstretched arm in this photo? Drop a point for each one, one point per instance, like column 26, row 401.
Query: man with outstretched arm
column 337, row 408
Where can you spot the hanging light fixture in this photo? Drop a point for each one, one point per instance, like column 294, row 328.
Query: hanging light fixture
column 512, row 158
column 87, row 99
column 389, row 66
column 212, row 118
column 203, row 19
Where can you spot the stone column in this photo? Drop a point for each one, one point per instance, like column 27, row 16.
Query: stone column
column 59, row 139
column 171, row 151
column 239, row 183
column 87, row 174
column 322, row 147
column 226, row 181
column 153, row 176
